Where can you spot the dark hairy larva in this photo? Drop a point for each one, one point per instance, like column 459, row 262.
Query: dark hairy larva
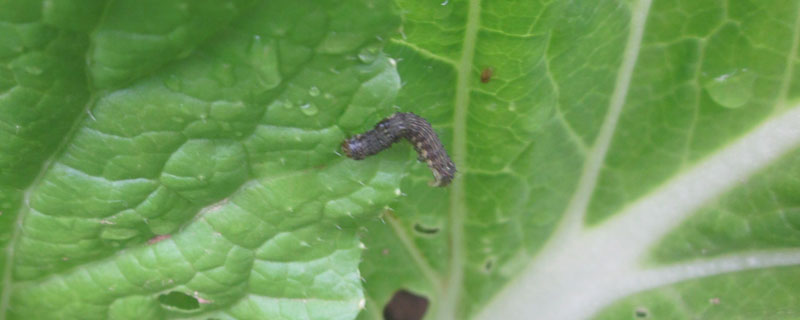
column 416, row 130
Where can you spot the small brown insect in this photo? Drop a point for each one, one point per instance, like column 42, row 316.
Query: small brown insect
column 405, row 126
column 486, row 75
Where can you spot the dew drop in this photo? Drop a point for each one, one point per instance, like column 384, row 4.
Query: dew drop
column 309, row 109
column 288, row 104
column 314, row 91
column 731, row 90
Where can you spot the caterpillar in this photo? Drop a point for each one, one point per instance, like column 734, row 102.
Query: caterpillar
column 416, row 130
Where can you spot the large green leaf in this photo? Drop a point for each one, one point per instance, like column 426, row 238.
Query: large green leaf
column 619, row 147
column 166, row 159
column 175, row 159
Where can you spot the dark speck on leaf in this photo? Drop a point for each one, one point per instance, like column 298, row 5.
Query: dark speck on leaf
column 486, row 75
column 641, row 312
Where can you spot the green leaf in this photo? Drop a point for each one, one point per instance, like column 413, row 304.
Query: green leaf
column 625, row 159
column 617, row 159
column 172, row 159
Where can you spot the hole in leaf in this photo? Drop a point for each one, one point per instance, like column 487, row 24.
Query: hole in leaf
column 641, row 312
column 405, row 305
column 426, row 230
column 179, row 300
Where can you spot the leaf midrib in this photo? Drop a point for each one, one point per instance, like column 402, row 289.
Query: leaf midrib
column 449, row 303
column 5, row 295
column 24, row 207
column 639, row 216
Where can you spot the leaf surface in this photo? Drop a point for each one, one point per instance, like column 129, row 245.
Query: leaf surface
column 634, row 151
column 617, row 159
column 175, row 159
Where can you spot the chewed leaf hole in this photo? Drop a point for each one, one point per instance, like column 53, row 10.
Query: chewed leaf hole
column 180, row 300
column 405, row 305
column 424, row 229
column 641, row 313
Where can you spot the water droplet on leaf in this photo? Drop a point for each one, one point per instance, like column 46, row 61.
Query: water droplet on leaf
column 309, row 109
column 731, row 90
column 314, row 91
column 512, row 106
